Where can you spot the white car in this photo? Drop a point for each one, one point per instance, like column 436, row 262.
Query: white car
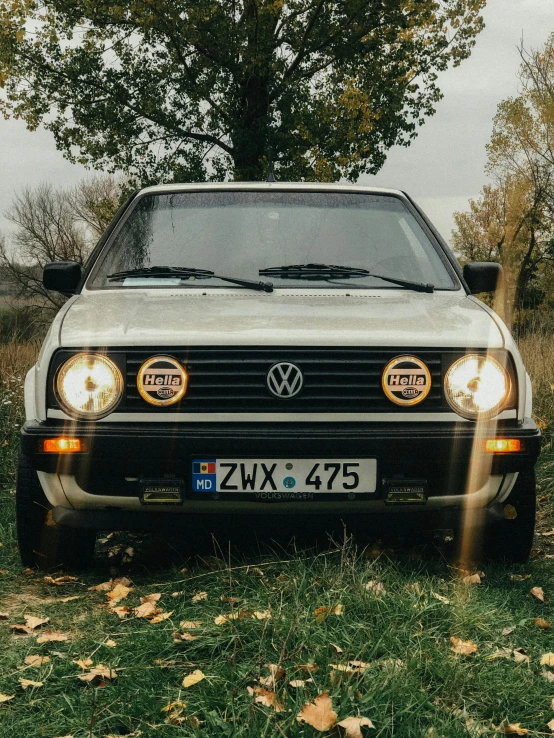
column 278, row 349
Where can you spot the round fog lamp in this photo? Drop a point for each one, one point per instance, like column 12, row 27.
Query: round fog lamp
column 476, row 387
column 89, row 385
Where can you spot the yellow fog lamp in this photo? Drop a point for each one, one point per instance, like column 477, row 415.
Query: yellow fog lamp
column 89, row 385
column 476, row 387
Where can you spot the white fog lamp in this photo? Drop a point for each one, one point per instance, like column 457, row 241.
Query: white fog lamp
column 476, row 387
column 89, row 385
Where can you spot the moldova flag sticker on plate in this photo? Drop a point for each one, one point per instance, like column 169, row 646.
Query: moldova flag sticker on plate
column 204, row 475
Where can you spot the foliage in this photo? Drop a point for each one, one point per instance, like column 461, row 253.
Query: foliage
column 203, row 89
column 54, row 224
column 513, row 220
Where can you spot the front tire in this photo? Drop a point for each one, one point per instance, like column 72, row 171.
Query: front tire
column 42, row 542
column 511, row 538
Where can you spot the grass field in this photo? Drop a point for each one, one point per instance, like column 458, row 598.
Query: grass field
column 384, row 647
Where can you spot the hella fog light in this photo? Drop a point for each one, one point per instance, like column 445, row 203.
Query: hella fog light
column 89, row 385
column 476, row 387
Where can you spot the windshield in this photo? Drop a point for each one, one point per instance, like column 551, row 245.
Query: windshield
column 239, row 233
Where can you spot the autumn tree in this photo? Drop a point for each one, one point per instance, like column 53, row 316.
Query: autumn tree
column 53, row 224
column 513, row 220
column 209, row 89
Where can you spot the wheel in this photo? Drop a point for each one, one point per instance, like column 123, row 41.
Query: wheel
column 511, row 538
column 42, row 542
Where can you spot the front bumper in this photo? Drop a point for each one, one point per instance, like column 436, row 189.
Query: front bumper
column 449, row 457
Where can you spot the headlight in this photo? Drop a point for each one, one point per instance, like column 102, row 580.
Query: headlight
column 89, row 385
column 476, row 387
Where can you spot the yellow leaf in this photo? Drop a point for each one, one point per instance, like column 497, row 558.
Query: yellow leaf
column 122, row 612
column 199, row 596
column 547, row 659
column 319, row 713
column 190, row 624
column 471, row 579
column 298, row 683
column 26, row 683
column 376, row 587
column 221, row 620
column 31, row 623
column 262, row 614
column 162, row 616
column 519, row 577
column 84, row 663
column 338, row 649
column 308, row 668
column 230, row 600
column 276, row 674
column 52, row 635
column 36, row 660
column 59, row 580
column 99, row 672
column 193, row 678
column 441, row 598
column 6, row 697
column 352, row 727
column 323, row 612
column 148, row 608
column 514, row 729
column 177, row 637
column 266, row 698
column 537, row 593
column 463, row 648
column 172, row 706
column 542, row 623
column 551, row 724
column 520, row 656
column 110, row 643
column 119, row 592
column 510, row 513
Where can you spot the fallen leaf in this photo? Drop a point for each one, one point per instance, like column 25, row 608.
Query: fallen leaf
column 178, row 637
column 68, row 599
column 36, row 660
column 52, row 635
column 514, row 729
column 319, row 713
column 99, row 672
column 548, row 533
column 57, row 581
column 110, row 643
column 535, row 553
column 193, row 678
column 199, row 596
column 6, row 697
column 298, row 683
column 537, row 593
column 119, row 592
column 262, row 614
column 520, row 656
column 501, row 653
column 376, row 587
column 26, row 683
column 552, row 704
column 547, row 659
column 221, row 620
column 162, row 616
column 4, row 616
column 230, row 600
column 519, row 577
column 551, row 725
column 110, row 584
column 31, row 624
column 276, row 674
column 266, row 698
column 84, row 663
column 308, row 668
column 542, row 623
column 172, row 706
column 338, row 649
column 510, row 513
column 441, row 598
column 323, row 612
column 257, row 572
column 548, row 675
column 509, row 629
column 352, row 727
column 122, row 612
column 471, row 579
column 463, row 648
column 177, row 594
column 148, row 608
column 190, row 624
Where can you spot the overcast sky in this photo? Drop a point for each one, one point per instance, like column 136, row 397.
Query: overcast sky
column 441, row 169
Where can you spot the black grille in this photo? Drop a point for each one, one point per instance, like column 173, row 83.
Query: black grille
column 233, row 379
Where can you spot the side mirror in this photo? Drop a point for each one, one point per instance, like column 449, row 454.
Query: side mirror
column 62, row 276
column 483, row 276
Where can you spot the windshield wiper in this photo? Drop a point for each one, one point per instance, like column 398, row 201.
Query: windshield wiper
column 188, row 273
column 327, row 272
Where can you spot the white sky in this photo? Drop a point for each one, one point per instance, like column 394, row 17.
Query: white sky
column 441, row 169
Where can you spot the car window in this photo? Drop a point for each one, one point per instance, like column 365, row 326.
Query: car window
column 240, row 232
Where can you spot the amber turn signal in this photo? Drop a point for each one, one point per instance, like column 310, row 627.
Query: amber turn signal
column 63, row 445
column 503, row 445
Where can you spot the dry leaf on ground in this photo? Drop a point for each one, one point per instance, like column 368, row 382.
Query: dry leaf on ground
column 266, row 698
column 6, row 697
column 510, row 513
column 190, row 624
column 298, row 683
column 173, row 705
column 463, row 648
column 509, row 629
column 441, row 598
column 52, row 635
column 122, row 612
column 308, row 668
column 520, row 656
column 537, row 593
column 99, row 673
column 376, row 587
column 319, row 713
column 542, row 623
column 110, row 584
column 26, row 683
column 471, row 579
column 514, row 729
column 548, row 533
column 59, row 580
column 160, row 617
column 36, row 660
column 110, row 643
column 338, row 649
column 193, row 678
column 276, row 674
column 262, row 614
column 148, row 608
column 551, row 725
column 230, row 600
column 200, row 596
column 119, row 592
column 352, row 727
column 323, row 612
column 548, row 675
column 4, row 616
column 501, row 653
column 84, row 663
column 31, row 624
column 178, row 637
column 547, row 659
column 519, row 577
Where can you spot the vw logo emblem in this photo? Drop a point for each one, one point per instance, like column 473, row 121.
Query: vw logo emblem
column 284, row 380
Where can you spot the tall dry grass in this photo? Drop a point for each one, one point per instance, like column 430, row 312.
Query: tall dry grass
column 537, row 351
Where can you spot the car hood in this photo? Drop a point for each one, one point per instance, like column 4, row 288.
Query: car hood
column 293, row 317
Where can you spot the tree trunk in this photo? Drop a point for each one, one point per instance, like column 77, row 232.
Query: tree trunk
column 250, row 137
column 524, row 273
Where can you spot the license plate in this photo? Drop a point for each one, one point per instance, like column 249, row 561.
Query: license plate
column 272, row 476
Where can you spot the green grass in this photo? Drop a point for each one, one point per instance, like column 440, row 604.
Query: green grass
column 414, row 685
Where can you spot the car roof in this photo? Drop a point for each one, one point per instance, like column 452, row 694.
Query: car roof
column 313, row 186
